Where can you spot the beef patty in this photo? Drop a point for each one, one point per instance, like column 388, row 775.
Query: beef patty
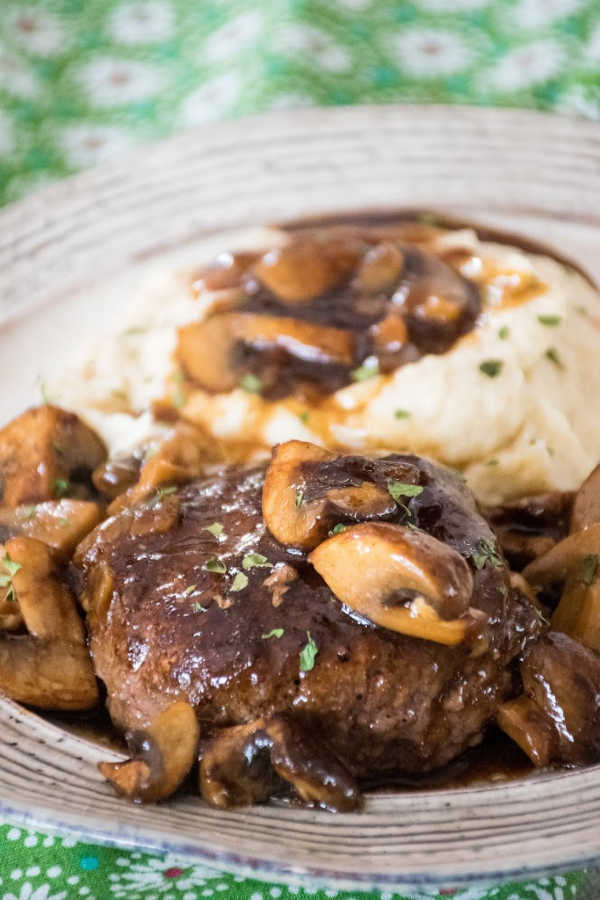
column 190, row 597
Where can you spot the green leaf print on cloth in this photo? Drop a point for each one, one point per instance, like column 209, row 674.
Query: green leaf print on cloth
column 82, row 80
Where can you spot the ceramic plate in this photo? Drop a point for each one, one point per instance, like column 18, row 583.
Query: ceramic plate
column 68, row 257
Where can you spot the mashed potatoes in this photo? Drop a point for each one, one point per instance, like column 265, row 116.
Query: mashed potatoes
column 514, row 403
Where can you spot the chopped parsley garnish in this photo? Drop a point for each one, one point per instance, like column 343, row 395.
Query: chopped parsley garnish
column 504, row 332
column 486, row 554
column 426, row 218
column 28, row 512
column 10, row 567
column 303, row 416
column 63, row 520
column 239, row 582
column 369, row 369
column 252, row 384
column 589, row 568
column 274, row 632
column 135, row 329
column 299, row 498
column 163, row 492
column 60, row 487
column 491, row 367
column 402, row 414
column 337, row 529
column 215, row 565
column 552, row 355
column 550, row 321
column 197, row 607
column 492, row 462
column 190, row 590
column 308, row 654
column 256, row 561
column 119, row 395
column 215, row 529
column 399, row 489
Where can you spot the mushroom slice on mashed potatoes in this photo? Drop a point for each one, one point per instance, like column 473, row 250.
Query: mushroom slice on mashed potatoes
column 211, row 352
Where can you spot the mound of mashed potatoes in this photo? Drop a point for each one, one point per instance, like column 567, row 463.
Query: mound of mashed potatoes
column 513, row 403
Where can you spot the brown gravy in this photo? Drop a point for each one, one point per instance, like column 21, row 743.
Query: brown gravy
column 497, row 759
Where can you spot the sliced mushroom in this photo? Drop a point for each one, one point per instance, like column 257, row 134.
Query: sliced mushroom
column 586, row 507
column 526, row 725
column 226, row 272
column 50, row 666
column 317, row 776
column 576, row 562
column 211, row 351
column 61, row 524
column 521, row 548
column 236, row 768
column 163, row 755
column 118, row 474
column 48, row 674
column 565, row 558
column 578, row 613
column 183, row 457
column 531, row 526
column 247, row 763
column 46, row 603
column 400, row 578
column 303, row 523
column 96, row 593
column 437, row 304
column 47, row 453
column 380, row 269
column 558, row 719
column 307, row 266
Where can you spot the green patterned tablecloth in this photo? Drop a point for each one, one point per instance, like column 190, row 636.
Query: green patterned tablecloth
column 81, row 80
column 43, row 867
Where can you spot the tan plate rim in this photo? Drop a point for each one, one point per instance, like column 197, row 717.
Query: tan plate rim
column 531, row 173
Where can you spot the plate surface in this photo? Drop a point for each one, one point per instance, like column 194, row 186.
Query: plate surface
column 525, row 172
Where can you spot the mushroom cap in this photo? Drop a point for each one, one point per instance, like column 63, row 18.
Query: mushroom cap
column 393, row 574
column 586, row 506
column 211, row 351
column 307, row 266
column 564, row 558
column 299, row 523
column 164, row 753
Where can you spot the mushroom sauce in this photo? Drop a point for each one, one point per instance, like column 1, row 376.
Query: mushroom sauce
column 345, row 614
column 411, row 337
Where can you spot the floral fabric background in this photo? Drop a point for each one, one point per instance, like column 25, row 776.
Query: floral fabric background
column 82, row 80
column 43, row 867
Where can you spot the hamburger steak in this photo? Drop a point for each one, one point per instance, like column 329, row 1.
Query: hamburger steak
column 208, row 597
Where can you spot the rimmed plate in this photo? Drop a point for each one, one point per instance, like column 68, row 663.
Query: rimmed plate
column 68, row 256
